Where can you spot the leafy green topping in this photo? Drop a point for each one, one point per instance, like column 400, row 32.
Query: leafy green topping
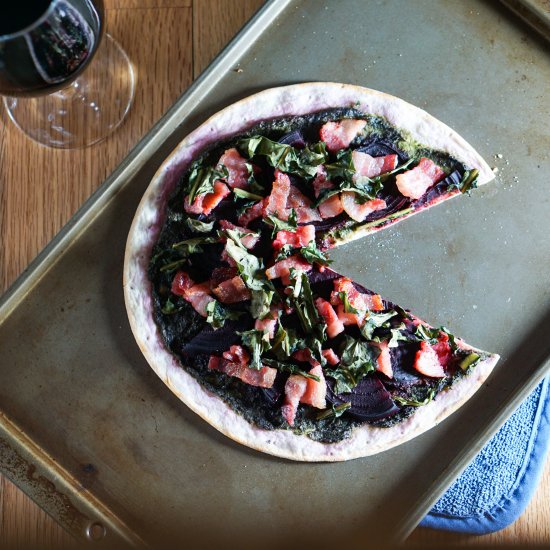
column 469, row 361
column 334, row 411
column 245, row 207
column 357, row 359
column 244, row 194
column 289, row 367
column 251, row 270
column 282, row 225
column 469, row 181
column 431, row 335
column 217, row 314
column 169, row 308
column 302, row 162
column 172, row 266
column 312, row 254
column 405, row 402
column 365, row 189
column 348, row 308
column 196, row 226
column 286, row 342
column 284, row 252
column 394, row 336
column 261, row 302
column 376, row 320
column 250, row 267
column 193, row 246
column 257, row 341
column 201, row 180
column 301, row 298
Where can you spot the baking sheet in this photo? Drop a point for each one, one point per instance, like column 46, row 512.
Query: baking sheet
column 89, row 431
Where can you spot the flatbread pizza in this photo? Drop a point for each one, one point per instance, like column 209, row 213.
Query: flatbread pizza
column 229, row 291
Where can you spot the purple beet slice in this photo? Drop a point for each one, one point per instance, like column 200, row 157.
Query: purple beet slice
column 370, row 400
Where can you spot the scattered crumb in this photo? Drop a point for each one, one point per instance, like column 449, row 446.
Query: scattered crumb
column 238, row 70
column 495, row 169
column 474, row 306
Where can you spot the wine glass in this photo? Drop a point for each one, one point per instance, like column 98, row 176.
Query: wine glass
column 44, row 49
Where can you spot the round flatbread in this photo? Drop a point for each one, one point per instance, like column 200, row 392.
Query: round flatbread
column 273, row 103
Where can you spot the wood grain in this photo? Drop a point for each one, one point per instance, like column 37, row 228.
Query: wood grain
column 170, row 42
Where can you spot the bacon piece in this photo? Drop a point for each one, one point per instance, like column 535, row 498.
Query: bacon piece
column 443, row 349
column 427, row 361
column 316, row 392
column 368, row 166
column 302, row 236
column 414, row 183
column 198, row 295
column 359, row 212
column 235, row 363
column 211, row 200
column 237, row 354
column 276, row 201
column 357, row 300
column 269, row 323
column 232, row 291
column 295, row 388
column 181, row 283
column 263, row 378
column 331, row 207
column 226, row 257
column 374, row 302
column 350, row 318
column 204, row 204
column 383, row 363
column 320, row 181
column 330, row 356
column 334, row 325
column 196, row 207
column 338, row 135
column 249, row 240
column 252, row 213
column 236, row 167
column 282, row 268
column 302, row 205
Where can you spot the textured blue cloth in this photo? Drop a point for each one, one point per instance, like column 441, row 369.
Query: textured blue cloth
column 496, row 487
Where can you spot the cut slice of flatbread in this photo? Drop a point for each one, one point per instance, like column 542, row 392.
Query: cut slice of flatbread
column 237, row 119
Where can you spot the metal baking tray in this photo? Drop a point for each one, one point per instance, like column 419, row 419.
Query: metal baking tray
column 93, row 436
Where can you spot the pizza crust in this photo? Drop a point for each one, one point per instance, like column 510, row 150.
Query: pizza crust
column 278, row 102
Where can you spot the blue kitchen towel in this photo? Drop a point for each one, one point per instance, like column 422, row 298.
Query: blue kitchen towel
column 496, row 487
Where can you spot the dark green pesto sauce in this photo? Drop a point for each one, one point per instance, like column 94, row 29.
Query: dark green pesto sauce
column 179, row 323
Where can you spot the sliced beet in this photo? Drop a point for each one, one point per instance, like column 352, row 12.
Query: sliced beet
column 402, row 363
column 381, row 148
column 441, row 188
column 274, row 394
column 211, row 341
column 331, row 223
column 370, row 400
column 393, row 205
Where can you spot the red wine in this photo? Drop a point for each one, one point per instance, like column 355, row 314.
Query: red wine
column 14, row 17
column 46, row 46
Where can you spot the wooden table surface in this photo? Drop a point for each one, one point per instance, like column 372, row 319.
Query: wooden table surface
column 170, row 42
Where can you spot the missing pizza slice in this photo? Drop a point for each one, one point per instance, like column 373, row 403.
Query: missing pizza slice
column 229, row 292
